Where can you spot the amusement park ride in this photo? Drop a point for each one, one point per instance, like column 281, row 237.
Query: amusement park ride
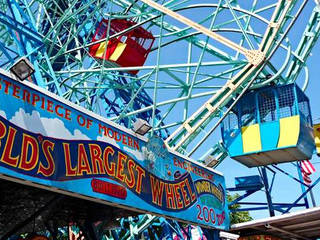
column 154, row 78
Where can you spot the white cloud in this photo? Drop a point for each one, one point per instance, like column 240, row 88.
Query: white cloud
column 51, row 127
column 148, row 155
column 111, row 141
column 3, row 114
column 139, row 155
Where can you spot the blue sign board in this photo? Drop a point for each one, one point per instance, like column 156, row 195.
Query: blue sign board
column 54, row 144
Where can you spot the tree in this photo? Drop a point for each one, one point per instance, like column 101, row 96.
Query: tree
column 237, row 217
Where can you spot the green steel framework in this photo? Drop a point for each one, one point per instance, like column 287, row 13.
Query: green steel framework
column 206, row 55
column 225, row 49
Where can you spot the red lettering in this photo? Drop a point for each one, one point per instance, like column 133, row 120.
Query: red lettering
column 110, row 168
column 192, row 194
column 89, row 123
column 83, row 162
column 29, row 143
column 175, row 161
column 199, row 217
column 212, row 216
column 16, row 90
column 108, row 132
column 26, row 96
column 35, row 98
column 141, row 174
column 136, row 144
column 179, row 163
column 108, row 188
column 205, row 210
column 42, row 103
column 124, row 139
column 95, row 154
column 117, row 137
column 102, row 128
column 81, row 120
column 170, row 196
column 130, row 141
column 178, row 196
column 130, row 181
column 6, row 157
column 156, row 190
column 47, row 146
column 185, row 165
column 68, row 114
column 121, row 158
column 49, row 106
column 184, row 194
column 70, row 171
column 8, row 84
column 56, row 109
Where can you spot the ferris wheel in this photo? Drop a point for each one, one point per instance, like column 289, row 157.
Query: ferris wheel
column 177, row 65
column 180, row 65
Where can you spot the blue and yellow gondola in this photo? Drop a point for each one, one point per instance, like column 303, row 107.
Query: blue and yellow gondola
column 270, row 125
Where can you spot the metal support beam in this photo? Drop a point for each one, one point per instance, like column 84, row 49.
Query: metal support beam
column 302, row 195
column 254, row 56
column 268, row 194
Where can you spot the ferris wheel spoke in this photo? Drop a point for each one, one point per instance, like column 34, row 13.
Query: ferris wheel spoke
column 237, row 20
column 163, row 103
column 202, row 44
column 253, row 56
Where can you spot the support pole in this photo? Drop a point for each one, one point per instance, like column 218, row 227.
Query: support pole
column 312, row 199
column 268, row 195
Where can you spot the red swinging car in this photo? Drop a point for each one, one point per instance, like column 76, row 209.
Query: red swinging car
column 127, row 50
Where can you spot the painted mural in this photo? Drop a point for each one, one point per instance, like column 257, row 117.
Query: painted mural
column 54, row 143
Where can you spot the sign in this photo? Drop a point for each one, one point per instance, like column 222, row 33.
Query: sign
column 51, row 142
